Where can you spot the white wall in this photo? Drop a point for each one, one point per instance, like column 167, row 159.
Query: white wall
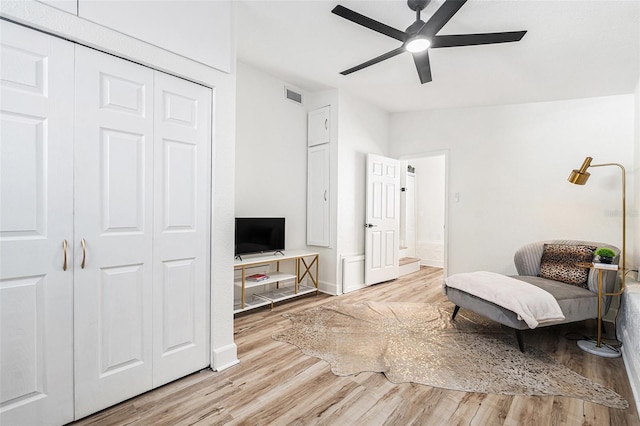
column 357, row 128
column 271, row 163
column 271, row 153
column 430, row 183
column 271, row 157
column 364, row 129
column 55, row 21
column 271, row 167
column 509, row 165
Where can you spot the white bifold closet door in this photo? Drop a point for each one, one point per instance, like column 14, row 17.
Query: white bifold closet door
column 142, row 229
column 181, row 291
column 114, row 217
column 36, row 222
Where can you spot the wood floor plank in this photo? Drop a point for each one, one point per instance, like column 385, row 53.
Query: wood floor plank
column 567, row 411
column 530, row 410
column 492, row 411
column 276, row 384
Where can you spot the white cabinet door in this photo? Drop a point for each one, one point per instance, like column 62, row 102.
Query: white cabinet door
column 114, row 217
column 36, row 217
column 318, row 201
column 181, row 228
column 319, row 126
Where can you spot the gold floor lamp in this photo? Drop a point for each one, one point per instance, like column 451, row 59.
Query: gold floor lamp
column 580, row 177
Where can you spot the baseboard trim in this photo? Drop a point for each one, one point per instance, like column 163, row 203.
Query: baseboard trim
column 224, row 357
column 432, row 263
column 328, row 288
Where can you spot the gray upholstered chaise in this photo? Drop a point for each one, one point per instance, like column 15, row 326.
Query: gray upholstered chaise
column 577, row 303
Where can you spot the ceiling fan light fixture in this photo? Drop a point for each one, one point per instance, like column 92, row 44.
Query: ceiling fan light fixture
column 417, row 44
column 421, row 35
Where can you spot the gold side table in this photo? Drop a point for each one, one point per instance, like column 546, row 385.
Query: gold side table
column 596, row 348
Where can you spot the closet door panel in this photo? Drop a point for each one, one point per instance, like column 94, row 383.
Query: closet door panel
column 36, row 218
column 114, row 220
column 181, row 227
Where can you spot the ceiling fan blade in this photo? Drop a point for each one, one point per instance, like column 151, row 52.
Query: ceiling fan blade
column 476, row 39
column 423, row 66
column 373, row 61
column 441, row 17
column 370, row 23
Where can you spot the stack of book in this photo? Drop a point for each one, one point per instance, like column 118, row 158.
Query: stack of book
column 257, row 277
column 598, row 265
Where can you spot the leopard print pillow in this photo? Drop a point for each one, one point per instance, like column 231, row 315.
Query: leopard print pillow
column 558, row 263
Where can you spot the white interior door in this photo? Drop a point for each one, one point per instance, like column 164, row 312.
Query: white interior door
column 382, row 241
column 114, row 218
column 181, row 228
column 36, row 217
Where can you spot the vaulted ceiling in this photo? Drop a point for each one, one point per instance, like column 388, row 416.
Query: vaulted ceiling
column 572, row 49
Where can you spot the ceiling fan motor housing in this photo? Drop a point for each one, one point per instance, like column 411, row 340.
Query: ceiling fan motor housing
column 416, row 5
column 415, row 27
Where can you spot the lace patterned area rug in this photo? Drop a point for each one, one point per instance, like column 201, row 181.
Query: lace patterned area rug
column 418, row 343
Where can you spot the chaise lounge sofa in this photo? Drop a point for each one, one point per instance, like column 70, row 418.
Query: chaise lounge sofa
column 577, row 302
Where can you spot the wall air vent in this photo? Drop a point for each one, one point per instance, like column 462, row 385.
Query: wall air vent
column 293, row 95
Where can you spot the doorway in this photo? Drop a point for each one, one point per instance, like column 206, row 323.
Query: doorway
column 423, row 209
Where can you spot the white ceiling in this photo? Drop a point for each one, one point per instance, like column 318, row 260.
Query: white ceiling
column 573, row 49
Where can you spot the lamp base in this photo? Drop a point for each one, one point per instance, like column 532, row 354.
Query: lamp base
column 603, row 351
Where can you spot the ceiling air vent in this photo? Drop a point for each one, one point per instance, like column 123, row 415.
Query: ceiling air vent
column 292, row 95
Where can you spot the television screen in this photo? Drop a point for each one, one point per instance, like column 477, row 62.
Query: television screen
column 259, row 234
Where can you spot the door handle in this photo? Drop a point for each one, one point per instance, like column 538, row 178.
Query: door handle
column 64, row 249
column 84, row 253
column 325, row 195
column 369, row 225
column 326, row 124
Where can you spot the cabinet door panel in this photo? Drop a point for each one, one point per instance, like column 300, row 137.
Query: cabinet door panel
column 114, row 217
column 36, row 216
column 319, row 126
column 318, row 230
column 181, row 229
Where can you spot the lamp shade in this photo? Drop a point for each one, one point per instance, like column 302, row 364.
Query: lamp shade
column 581, row 176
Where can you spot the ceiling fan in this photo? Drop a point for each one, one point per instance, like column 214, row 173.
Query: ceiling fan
column 420, row 36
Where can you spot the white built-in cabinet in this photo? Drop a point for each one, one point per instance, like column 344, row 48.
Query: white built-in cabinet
column 104, row 228
column 319, row 126
column 318, row 177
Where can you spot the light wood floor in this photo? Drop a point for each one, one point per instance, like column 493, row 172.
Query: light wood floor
column 275, row 384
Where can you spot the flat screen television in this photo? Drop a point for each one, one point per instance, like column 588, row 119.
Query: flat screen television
column 259, row 235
